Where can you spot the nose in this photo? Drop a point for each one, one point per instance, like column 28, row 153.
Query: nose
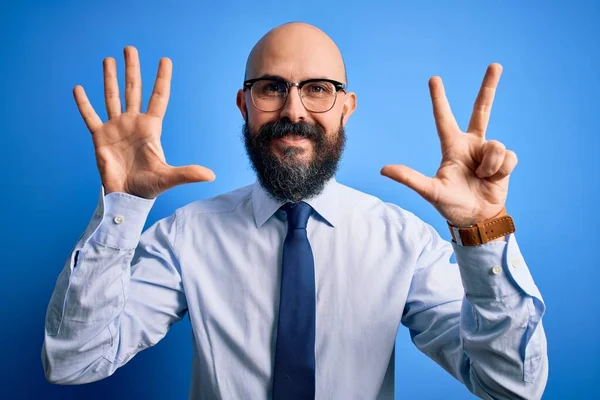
column 293, row 108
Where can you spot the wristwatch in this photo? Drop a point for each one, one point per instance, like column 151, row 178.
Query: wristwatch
column 483, row 232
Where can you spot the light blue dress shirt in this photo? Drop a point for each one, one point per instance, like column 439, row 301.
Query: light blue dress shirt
column 219, row 260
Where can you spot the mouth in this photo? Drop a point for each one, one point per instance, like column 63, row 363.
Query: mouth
column 291, row 140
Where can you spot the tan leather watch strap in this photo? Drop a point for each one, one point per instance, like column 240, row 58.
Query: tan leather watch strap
column 484, row 231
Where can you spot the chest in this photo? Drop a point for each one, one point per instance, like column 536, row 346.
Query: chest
column 360, row 272
column 232, row 281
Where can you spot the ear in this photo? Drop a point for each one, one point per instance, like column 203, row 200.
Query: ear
column 348, row 107
column 240, row 101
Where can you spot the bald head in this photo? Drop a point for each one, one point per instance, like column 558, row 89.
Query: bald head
column 296, row 51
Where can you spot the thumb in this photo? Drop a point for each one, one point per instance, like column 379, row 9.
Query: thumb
column 407, row 176
column 188, row 174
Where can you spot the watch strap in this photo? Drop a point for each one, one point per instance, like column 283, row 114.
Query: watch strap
column 484, row 231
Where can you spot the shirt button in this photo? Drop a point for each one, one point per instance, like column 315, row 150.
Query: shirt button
column 118, row 219
column 496, row 269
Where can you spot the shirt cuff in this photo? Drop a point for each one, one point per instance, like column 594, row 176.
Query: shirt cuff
column 120, row 219
column 495, row 269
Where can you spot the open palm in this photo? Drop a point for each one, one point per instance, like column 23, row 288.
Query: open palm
column 471, row 184
column 128, row 150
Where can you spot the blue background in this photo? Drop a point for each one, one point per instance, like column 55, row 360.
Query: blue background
column 545, row 110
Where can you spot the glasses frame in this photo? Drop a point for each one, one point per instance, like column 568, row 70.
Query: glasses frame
column 250, row 82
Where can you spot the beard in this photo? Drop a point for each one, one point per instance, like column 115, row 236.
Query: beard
column 286, row 177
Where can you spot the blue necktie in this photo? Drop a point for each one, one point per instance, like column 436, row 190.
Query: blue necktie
column 294, row 372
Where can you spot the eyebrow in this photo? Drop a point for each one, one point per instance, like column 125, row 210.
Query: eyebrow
column 277, row 77
column 269, row 76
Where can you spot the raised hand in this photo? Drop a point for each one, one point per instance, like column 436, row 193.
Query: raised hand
column 129, row 155
column 471, row 183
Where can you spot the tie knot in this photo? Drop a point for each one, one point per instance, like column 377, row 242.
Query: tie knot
column 297, row 214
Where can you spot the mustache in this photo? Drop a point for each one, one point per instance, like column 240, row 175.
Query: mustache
column 281, row 128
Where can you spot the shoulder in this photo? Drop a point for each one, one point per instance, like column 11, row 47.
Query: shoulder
column 370, row 212
column 222, row 203
column 370, row 206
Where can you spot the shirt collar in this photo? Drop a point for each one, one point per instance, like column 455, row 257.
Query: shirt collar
column 325, row 204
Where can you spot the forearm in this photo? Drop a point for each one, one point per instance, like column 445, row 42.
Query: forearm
column 501, row 330
column 82, row 321
column 479, row 319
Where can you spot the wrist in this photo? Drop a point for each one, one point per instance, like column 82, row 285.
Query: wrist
column 493, row 229
column 469, row 223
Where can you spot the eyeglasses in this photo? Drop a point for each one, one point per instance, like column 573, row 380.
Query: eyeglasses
column 270, row 94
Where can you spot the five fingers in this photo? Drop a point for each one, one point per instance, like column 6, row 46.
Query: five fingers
column 170, row 176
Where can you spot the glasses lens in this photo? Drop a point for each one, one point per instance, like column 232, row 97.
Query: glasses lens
column 269, row 95
column 318, row 96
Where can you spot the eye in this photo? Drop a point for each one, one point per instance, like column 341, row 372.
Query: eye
column 273, row 87
column 319, row 88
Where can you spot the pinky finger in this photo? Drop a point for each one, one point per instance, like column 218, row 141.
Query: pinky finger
column 91, row 119
column 508, row 165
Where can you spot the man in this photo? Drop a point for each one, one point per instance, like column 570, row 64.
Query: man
column 296, row 285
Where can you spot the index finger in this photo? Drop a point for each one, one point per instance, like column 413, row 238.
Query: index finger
column 157, row 106
column 483, row 104
column 442, row 113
